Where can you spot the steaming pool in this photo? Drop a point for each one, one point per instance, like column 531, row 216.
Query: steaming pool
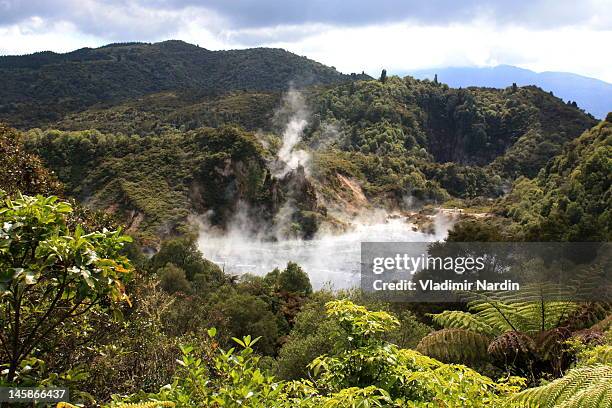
column 329, row 260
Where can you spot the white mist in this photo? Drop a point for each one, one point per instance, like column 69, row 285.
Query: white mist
column 328, row 259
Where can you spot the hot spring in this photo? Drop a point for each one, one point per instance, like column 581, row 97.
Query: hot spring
column 329, row 259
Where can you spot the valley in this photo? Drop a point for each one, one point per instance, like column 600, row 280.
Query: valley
column 182, row 227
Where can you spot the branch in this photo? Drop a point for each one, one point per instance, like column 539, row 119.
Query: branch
column 39, row 323
column 68, row 315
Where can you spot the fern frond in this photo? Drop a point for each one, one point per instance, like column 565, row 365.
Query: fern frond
column 582, row 387
column 591, row 337
column 605, row 324
column 551, row 344
column 455, row 345
column 512, row 348
column 598, row 395
column 530, row 310
column 589, row 315
column 455, row 319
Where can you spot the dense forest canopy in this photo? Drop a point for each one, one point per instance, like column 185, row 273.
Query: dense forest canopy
column 397, row 139
column 43, row 87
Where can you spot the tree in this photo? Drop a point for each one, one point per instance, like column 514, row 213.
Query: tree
column 173, row 279
column 383, row 76
column 50, row 275
column 183, row 252
column 435, row 78
column 21, row 171
column 365, row 360
column 243, row 314
column 294, row 280
column 524, row 333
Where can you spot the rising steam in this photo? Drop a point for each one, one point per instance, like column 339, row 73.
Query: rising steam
column 289, row 156
column 329, row 258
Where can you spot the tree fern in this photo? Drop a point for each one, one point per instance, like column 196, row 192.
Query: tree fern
column 551, row 344
column 455, row 319
column 524, row 326
column 530, row 310
column 512, row 348
column 455, row 345
column 582, row 387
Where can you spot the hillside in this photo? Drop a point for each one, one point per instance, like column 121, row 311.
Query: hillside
column 568, row 200
column 390, row 144
column 571, row 198
column 590, row 94
column 43, row 87
column 205, row 131
column 473, row 126
column 111, row 206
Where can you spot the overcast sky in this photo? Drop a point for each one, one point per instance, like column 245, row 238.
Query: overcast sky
column 542, row 35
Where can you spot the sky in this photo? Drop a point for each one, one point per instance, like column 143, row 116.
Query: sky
column 353, row 36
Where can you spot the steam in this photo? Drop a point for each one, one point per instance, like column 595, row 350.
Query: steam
column 329, row 134
column 331, row 260
column 289, row 156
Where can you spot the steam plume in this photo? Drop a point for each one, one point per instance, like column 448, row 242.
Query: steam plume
column 289, row 157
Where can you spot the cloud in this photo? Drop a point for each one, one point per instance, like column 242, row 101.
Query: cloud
column 403, row 47
column 156, row 17
column 398, row 35
column 531, row 13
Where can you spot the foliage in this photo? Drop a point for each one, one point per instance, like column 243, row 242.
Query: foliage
column 51, row 275
column 138, row 353
column 242, row 314
column 292, row 279
column 514, row 331
column 455, row 345
column 409, row 378
column 184, row 254
column 57, row 84
column 155, row 183
column 366, row 372
column 580, row 387
column 220, row 378
column 570, row 199
column 22, row 171
column 173, row 279
column 468, row 126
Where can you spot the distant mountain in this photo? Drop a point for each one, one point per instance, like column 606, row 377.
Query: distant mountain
column 593, row 95
column 43, row 87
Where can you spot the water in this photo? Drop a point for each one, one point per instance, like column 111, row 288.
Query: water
column 328, row 259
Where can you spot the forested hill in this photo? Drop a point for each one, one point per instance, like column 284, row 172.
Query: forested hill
column 43, row 87
column 154, row 133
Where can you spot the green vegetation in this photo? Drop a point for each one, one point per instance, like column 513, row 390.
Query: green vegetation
column 364, row 371
column 22, row 171
column 153, row 136
column 569, row 199
column 43, row 87
column 518, row 334
column 399, row 140
column 332, row 351
column 52, row 278
column 154, row 183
